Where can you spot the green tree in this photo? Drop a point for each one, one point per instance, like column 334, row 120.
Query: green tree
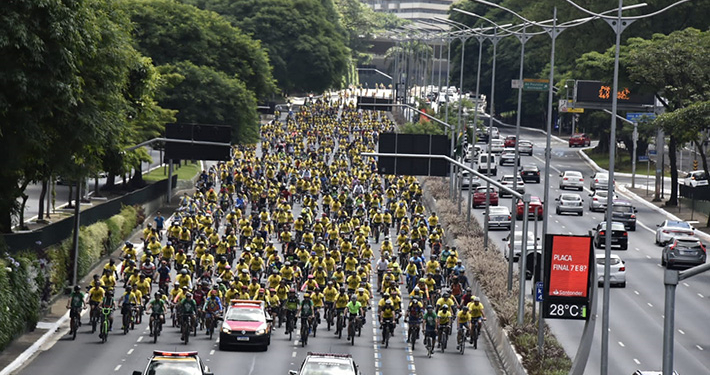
column 304, row 38
column 231, row 103
column 65, row 66
column 169, row 31
column 677, row 68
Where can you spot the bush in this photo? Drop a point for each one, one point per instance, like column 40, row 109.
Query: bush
column 20, row 282
column 490, row 269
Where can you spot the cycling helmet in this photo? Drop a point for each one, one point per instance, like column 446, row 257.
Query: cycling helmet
column 129, row 288
column 310, row 277
column 476, row 299
column 429, row 307
column 188, row 295
column 77, row 288
column 360, row 290
column 353, row 298
column 214, row 292
column 307, row 295
column 157, row 294
column 465, row 308
column 445, row 307
column 218, row 281
column 388, row 302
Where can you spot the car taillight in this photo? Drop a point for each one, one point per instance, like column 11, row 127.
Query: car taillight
column 538, row 173
column 622, row 269
column 665, row 231
column 581, row 179
column 596, row 180
column 565, row 178
column 633, row 216
column 625, row 234
column 601, row 232
column 595, row 199
column 509, row 217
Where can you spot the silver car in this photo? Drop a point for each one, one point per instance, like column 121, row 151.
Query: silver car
column 508, row 180
column 599, row 180
column 598, row 201
column 617, row 270
column 469, row 180
column 499, row 217
column 497, row 146
column 525, row 147
column 570, row 203
column 571, row 180
column 668, row 229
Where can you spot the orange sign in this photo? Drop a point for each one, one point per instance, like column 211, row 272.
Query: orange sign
column 605, row 93
column 569, row 266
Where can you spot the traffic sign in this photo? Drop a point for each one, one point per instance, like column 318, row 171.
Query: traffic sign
column 538, row 291
column 652, row 152
column 516, row 83
column 636, row 116
column 532, row 84
column 564, row 107
column 568, row 280
column 643, row 158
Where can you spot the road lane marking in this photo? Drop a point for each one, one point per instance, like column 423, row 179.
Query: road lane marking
column 686, row 284
column 637, row 361
column 699, row 347
column 293, row 355
column 644, row 226
column 700, row 295
column 212, row 352
column 637, row 292
column 648, row 257
column 140, row 338
column 649, row 304
column 117, row 368
column 681, row 332
column 621, row 344
column 129, row 352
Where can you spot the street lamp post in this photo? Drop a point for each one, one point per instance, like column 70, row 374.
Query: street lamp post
column 618, row 24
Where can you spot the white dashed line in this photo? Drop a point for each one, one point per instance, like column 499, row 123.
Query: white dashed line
column 681, row 332
column 637, row 361
column 700, row 295
column 637, row 292
column 212, row 352
column 117, row 368
column 649, row 304
column 686, row 284
column 699, row 347
column 293, row 355
column 129, row 352
column 140, row 338
column 621, row 344
column 637, row 249
column 648, row 257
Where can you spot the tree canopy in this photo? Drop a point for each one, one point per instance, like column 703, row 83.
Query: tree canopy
column 304, row 38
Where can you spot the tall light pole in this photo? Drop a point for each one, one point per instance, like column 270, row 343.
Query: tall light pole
column 619, row 24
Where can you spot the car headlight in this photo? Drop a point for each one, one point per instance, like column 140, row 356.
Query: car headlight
column 226, row 329
column 260, row 331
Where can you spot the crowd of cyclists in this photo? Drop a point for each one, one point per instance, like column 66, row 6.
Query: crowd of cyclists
column 292, row 223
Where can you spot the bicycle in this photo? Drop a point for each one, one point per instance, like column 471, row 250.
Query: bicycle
column 156, row 326
column 186, row 327
column 105, row 323
column 290, row 323
column 387, row 328
column 94, row 317
column 461, row 339
column 444, row 336
column 429, row 344
column 329, row 316
column 316, row 319
column 75, row 321
column 340, row 323
column 211, row 323
column 413, row 334
column 476, row 331
column 352, row 322
column 127, row 318
column 305, row 330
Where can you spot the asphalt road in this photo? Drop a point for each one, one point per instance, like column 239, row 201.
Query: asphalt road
column 636, row 312
column 62, row 196
column 123, row 354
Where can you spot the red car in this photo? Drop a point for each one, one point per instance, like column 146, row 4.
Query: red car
column 534, row 208
column 509, row 141
column 479, row 196
column 246, row 323
column 579, row 140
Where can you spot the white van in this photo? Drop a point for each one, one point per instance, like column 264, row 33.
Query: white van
column 483, row 164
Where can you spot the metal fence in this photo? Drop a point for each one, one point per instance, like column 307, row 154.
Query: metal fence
column 59, row 231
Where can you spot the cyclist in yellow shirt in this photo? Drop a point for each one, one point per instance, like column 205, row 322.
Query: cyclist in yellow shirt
column 463, row 322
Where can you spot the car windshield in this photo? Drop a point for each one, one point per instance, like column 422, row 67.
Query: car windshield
column 245, row 315
column 570, row 197
column 678, row 224
column 174, row 367
column 689, row 244
column 602, row 193
column 573, row 174
column 327, row 368
column 530, row 168
column 614, row 226
column 484, row 189
column 602, row 176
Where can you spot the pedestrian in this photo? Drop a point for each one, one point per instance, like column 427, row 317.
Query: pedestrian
column 159, row 224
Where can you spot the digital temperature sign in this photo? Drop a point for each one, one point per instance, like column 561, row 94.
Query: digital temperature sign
column 568, row 276
column 598, row 92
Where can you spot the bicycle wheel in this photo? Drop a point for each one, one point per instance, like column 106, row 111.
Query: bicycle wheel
column 476, row 332
column 444, row 341
column 94, row 320
column 126, row 323
column 427, row 343
column 386, row 336
column 155, row 330
column 104, row 331
column 414, row 338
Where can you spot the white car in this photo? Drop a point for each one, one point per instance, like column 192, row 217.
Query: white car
column 508, row 156
column 525, row 147
column 571, row 180
column 508, row 180
column 696, row 178
column 569, row 202
column 598, row 201
column 499, row 217
column 469, row 180
column 617, row 270
column 517, row 249
column 669, row 229
column 497, row 146
column 599, row 180
column 482, row 164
